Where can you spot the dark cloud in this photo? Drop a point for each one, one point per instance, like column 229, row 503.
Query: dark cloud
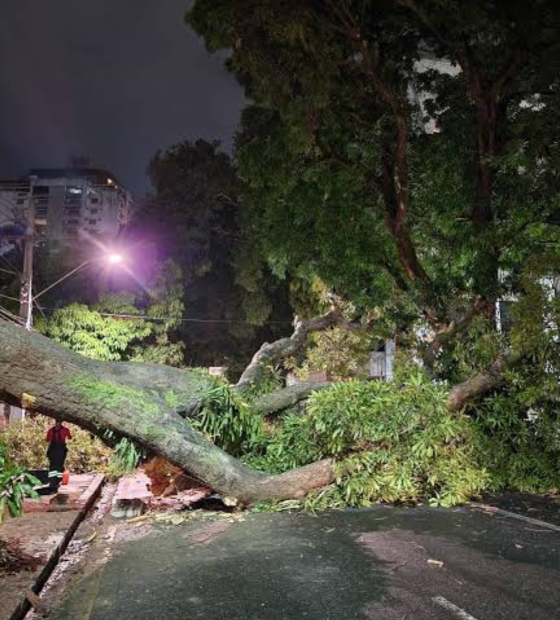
column 110, row 79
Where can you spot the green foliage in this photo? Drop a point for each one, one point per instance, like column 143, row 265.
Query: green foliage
column 227, row 419
column 339, row 352
column 92, row 332
column 126, row 457
column 87, row 332
column 331, row 83
column 194, row 219
column 15, row 485
column 25, row 442
column 521, row 444
column 392, row 442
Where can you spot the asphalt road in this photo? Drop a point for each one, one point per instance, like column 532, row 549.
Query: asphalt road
column 385, row 564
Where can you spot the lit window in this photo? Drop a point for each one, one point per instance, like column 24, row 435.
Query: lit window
column 77, row 191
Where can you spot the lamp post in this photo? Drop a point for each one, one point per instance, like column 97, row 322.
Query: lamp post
column 26, row 292
column 112, row 259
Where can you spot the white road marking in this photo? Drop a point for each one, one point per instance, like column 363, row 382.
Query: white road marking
column 514, row 515
column 457, row 611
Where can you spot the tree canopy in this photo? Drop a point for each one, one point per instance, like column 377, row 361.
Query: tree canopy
column 194, row 218
column 405, row 151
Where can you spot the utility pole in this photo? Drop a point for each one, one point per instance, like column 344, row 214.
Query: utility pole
column 26, row 293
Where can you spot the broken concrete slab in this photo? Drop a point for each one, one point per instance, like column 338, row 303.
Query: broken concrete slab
column 132, row 497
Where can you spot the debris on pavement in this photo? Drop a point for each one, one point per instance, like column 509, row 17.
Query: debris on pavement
column 208, row 533
column 14, row 559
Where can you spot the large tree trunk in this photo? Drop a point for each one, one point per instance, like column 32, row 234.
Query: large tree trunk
column 145, row 402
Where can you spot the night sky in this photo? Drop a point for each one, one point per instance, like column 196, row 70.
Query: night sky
column 113, row 80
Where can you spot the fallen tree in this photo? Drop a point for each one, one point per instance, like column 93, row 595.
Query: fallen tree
column 146, row 402
column 151, row 404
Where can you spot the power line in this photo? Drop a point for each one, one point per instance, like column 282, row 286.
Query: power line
column 188, row 320
column 8, row 297
column 145, row 317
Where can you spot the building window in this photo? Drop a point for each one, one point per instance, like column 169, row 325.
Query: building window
column 20, row 201
column 504, row 316
column 92, row 222
column 73, row 210
column 92, row 211
column 41, row 190
column 73, row 191
column 94, row 201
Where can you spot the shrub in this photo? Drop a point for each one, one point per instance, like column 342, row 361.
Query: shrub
column 339, row 352
column 227, row 420
column 520, row 442
column 25, row 443
column 391, row 442
column 15, row 484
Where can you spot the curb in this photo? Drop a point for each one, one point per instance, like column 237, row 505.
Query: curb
column 25, row 606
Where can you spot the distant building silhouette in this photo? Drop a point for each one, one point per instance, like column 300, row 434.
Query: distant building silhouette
column 70, row 203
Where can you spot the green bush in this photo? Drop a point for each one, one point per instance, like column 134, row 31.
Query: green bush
column 25, row 442
column 227, row 420
column 393, row 442
column 15, row 484
column 341, row 353
column 520, row 443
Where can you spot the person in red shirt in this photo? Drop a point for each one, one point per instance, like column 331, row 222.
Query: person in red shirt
column 57, row 436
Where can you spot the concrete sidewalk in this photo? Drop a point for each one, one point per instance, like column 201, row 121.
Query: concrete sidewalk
column 72, row 496
column 384, row 563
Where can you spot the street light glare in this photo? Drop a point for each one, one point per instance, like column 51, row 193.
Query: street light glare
column 114, row 259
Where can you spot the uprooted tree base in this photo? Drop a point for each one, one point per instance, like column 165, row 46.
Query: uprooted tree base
column 151, row 404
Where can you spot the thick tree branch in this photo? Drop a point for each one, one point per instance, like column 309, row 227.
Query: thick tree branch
column 288, row 397
column 271, row 354
column 395, row 220
column 476, row 386
column 451, row 330
column 138, row 401
column 395, row 190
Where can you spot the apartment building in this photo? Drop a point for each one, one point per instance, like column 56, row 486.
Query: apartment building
column 70, row 204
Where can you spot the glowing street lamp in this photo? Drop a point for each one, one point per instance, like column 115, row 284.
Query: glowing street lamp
column 115, row 259
column 112, row 258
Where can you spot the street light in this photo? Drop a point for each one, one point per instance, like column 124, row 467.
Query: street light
column 112, row 259
column 115, row 259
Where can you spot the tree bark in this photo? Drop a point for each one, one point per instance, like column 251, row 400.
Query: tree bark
column 271, row 354
column 288, row 397
column 476, row 386
column 143, row 402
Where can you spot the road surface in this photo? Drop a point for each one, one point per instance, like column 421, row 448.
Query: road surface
column 384, row 563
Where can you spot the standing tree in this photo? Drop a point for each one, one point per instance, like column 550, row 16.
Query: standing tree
column 405, row 151
column 194, row 219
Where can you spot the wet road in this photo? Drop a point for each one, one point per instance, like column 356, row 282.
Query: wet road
column 386, row 563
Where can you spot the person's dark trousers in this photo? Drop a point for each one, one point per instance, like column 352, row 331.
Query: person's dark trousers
column 56, row 455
